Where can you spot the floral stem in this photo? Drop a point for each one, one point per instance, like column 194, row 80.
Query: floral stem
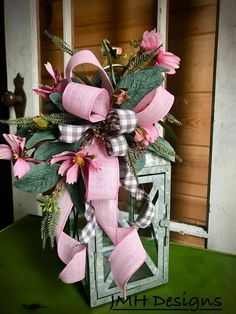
column 107, row 53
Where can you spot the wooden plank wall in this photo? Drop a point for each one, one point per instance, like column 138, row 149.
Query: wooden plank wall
column 94, row 20
column 118, row 21
column 51, row 19
column 192, row 26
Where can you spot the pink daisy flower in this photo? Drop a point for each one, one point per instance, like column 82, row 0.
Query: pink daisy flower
column 168, row 60
column 14, row 152
column 151, row 40
column 58, row 87
column 73, row 162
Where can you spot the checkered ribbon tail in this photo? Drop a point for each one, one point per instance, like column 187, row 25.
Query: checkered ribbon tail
column 71, row 133
column 119, row 121
column 89, row 230
column 130, row 183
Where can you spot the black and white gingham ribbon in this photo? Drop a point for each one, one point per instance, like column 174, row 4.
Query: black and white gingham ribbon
column 143, row 221
column 130, row 183
column 70, row 133
column 88, row 232
column 117, row 123
column 121, row 121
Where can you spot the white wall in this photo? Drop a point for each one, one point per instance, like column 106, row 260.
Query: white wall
column 222, row 216
column 22, row 57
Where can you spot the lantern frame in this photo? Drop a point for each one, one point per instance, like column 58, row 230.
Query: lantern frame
column 99, row 283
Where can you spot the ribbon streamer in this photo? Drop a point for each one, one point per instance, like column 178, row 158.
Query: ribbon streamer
column 129, row 182
column 93, row 104
column 70, row 251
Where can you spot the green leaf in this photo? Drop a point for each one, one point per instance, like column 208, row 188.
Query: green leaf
column 56, row 99
column 96, row 80
column 77, row 194
column 39, row 137
column 162, row 148
column 39, row 179
column 164, row 70
column 139, row 84
column 25, row 132
column 47, row 150
column 81, row 77
column 140, row 163
column 169, row 130
column 50, row 107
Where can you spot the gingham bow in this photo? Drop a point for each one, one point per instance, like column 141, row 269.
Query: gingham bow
column 111, row 131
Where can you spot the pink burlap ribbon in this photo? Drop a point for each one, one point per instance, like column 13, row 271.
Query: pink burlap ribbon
column 93, row 104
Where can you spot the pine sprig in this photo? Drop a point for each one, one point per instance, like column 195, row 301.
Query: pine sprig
column 171, row 119
column 63, row 117
column 133, row 155
column 54, row 118
column 50, row 218
column 20, row 122
column 131, row 160
column 60, row 43
column 139, row 62
column 49, row 224
column 164, row 150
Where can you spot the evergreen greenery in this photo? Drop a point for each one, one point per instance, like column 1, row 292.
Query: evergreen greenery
column 171, row 119
column 140, row 62
column 162, row 148
column 63, row 117
column 131, row 160
column 23, row 122
column 49, row 224
column 54, row 118
column 60, row 43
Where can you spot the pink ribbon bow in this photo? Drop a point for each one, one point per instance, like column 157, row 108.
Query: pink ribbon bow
column 93, row 104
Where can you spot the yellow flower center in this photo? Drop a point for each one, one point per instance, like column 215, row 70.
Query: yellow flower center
column 79, row 161
column 141, row 131
column 16, row 156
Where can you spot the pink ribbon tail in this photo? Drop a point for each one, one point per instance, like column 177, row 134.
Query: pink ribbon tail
column 128, row 254
column 70, row 251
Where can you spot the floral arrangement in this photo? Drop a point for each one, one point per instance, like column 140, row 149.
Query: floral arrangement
column 90, row 129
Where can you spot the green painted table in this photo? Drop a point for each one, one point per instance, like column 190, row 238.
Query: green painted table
column 199, row 280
